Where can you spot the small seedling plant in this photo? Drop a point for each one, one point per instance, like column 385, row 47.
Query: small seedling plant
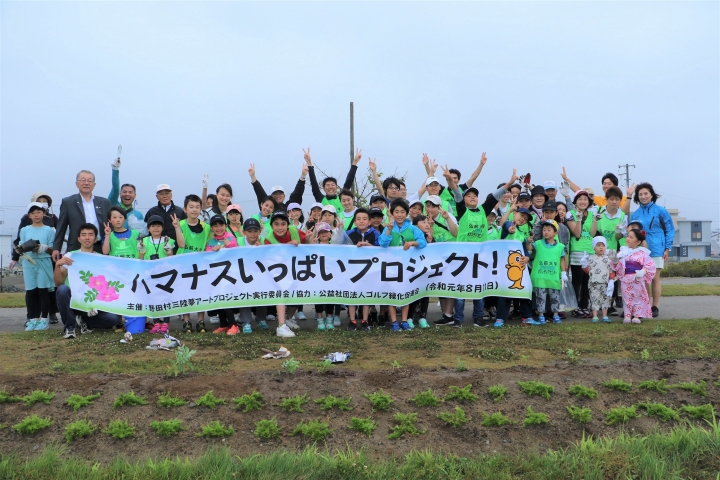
column 497, row 392
column 248, row 403
column 583, row 391
column 129, row 399
column 463, row 394
column 182, row 363
column 621, row 414
column 314, row 429
column 290, row 365
column 694, row 388
column 38, row 396
column 79, row 429
column 426, row 399
column 455, row 420
column 325, row 365
column 209, row 400
column 460, row 366
column 534, row 418
column 379, row 400
column 618, row 385
column 294, row 404
column 364, row 425
column 573, row 355
column 645, row 355
column 580, row 414
column 78, row 401
column 701, row 412
column 120, row 429
column 656, row 385
column 32, row 424
column 660, row 411
column 168, row 428
column 166, row 400
column 405, row 424
column 497, row 419
column 215, row 429
column 329, row 402
column 7, row 397
column 267, row 429
column 537, row 388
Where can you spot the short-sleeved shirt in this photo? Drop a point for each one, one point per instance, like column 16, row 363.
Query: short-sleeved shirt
column 599, row 269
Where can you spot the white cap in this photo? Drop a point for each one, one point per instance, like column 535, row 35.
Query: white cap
column 294, row 206
column 317, row 205
column 37, row 204
column 597, row 240
column 277, row 188
column 431, row 180
column 434, row 199
column 329, row 208
column 163, row 186
column 550, row 185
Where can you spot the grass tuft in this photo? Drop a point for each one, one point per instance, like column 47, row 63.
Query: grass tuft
column 254, row 401
column 78, row 401
column 580, row 414
column 534, row 418
column 364, row 425
column 405, row 424
column 660, row 411
column 209, row 400
column 315, row 429
column 694, row 388
column 379, row 400
column 537, row 388
column 583, row 391
column 618, row 385
column 79, row 429
column 621, row 414
column 215, row 429
column 168, row 401
column 457, row 419
column 704, row 412
column 129, row 399
column 119, row 429
column 6, row 397
column 267, row 429
column 168, row 428
column 461, row 394
column 294, row 404
column 497, row 419
column 497, row 392
column 32, row 424
column 656, row 385
column 329, row 402
column 38, row 396
column 426, row 399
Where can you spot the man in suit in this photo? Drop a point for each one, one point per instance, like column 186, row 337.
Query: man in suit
column 78, row 209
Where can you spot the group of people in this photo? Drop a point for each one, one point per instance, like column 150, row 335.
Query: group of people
column 575, row 243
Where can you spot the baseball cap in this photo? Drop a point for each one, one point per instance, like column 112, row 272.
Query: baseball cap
column 233, row 206
column 599, row 239
column 434, row 199
column 317, row 205
column 278, row 188
column 217, row 219
column 471, row 190
column 251, row 223
column 329, row 208
column 524, row 195
column 525, row 211
column 155, row 219
column 323, row 227
column 376, row 212
column 377, row 198
column 550, row 185
column 163, row 186
column 550, row 206
column 279, row 214
column 35, row 206
column 552, row 223
column 431, row 180
column 295, row 206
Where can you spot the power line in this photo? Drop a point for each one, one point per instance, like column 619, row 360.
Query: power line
column 626, row 174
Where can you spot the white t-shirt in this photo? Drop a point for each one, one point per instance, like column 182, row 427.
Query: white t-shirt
column 89, row 209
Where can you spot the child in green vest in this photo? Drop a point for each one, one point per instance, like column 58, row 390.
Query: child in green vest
column 444, row 225
column 195, row 234
column 252, row 238
column 579, row 222
column 494, row 229
column 155, row 247
column 235, row 221
column 326, row 314
column 119, row 241
column 548, row 271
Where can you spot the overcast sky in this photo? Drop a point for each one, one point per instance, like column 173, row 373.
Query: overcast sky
column 201, row 87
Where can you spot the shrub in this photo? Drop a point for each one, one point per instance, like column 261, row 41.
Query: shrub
column 534, row 418
column 32, row 424
column 379, row 400
column 461, row 394
column 119, row 429
column 181, row 364
column 168, row 428
column 209, row 400
column 537, row 388
column 267, row 429
column 583, row 391
column 293, row 404
column 621, row 415
column 328, row 402
column 704, row 412
column 168, row 401
column 660, row 411
column 406, row 424
column 580, row 414
column 618, row 385
column 78, row 401
column 457, row 419
column 314, row 429
column 6, row 397
column 426, row 399
column 364, row 425
column 79, row 429
column 38, row 396
column 692, row 268
column 215, row 429
column 497, row 392
column 657, row 385
column 696, row 388
column 254, row 401
column 460, row 366
column 290, row 365
column 129, row 399
column 497, row 419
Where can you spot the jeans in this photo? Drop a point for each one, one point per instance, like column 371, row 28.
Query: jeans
column 101, row 320
column 478, row 307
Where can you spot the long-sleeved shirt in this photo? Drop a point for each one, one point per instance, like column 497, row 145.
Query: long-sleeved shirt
column 295, row 196
column 318, row 195
column 114, row 198
column 418, row 235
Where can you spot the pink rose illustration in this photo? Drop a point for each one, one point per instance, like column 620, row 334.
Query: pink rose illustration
column 107, row 295
column 98, row 283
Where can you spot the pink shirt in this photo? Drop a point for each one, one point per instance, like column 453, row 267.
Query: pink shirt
column 213, row 241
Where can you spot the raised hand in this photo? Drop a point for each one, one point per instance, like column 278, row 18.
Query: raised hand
column 205, row 180
column 433, row 166
column 305, row 170
column 108, row 230
column 251, row 170
column 358, row 156
column 446, row 171
column 372, row 164
column 514, row 176
column 115, row 164
column 306, row 157
column 483, row 159
column 564, row 189
column 444, row 214
column 631, row 190
column 425, row 160
column 175, row 221
column 564, row 175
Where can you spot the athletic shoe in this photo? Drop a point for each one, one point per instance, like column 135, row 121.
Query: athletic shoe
column 300, row 316
column 557, row 320
column 234, row 330
column 321, row 323
column 247, row 328
column 456, row 324
column 352, row 326
column 262, row 324
column 541, row 319
column 480, row 323
column 270, row 318
column 405, row 325
column 636, row 320
column 486, row 315
column 119, row 328
column 155, row 328
column 394, row 327
column 42, row 324
column 84, row 329
column 187, row 327
column 595, row 319
column 200, row 326
column 336, row 321
column 562, row 315
column 626, row 320
column 373, row 318
column 342, row 307
column 69, row 333
column 410, row 323
column 444, row 320
column 215, row 320
column 422, row 323
column 236, row 316
column 365, row 327
column 329, row 324
column 612, row 312
column 221, row 330
column 164, row 328
column 284, row 331
column 31, row 324
column 498, row 323
column 383, row 319
column 531, row 321
column 291, row 323
column 606, row 320
column 655, row 312
column 53, row 318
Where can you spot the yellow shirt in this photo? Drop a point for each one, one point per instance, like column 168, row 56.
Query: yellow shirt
column 602, row 201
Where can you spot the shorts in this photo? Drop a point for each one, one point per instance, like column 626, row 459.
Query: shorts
column 659, row 262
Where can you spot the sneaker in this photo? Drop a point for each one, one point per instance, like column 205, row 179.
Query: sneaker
column 164, row 328
column 557, row 320
column 531, row 321
column 53, row 318
column 456, row 324
column 626, row 320
column 42, row 324
column 498, row 323
column 410, row 323
column 541, row 319
column 321, row 323
column 31, row 324
column 595, row 319
column 270, row 318
column 336, row 321
column 373, row 318
column 480, row 323
column 352, row 326
column 221, row 330
column 119, row 328
column 404, row 325
column 382, row 320
column 562, row 315
column 444, row 320
column 155, row 328
column 606, row 320
column 69, row 333
column 200, row 326
column 247, row 328
column 215, row 320
column 263, row 324
column 291, row 323
column 422, row 323
column 84, row 329
column 300, row 316
column 365, row 327
column 284, row 331
column 329, row 324
column 394, row 327
column 612, row 312
column 234, row 330
column 655, row 312
column 636, row 320
column 187, row 327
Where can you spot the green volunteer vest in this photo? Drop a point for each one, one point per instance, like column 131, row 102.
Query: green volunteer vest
column 124, row 247
column 399, row 238
column 606, row 228
column 494, row 232
column 448, row 201
column 194, row 242
column 546, row 269
column 294, row 235
column 441, row 234
column 265, row 224
column 335, row 202
column 348, row 223
column 238, row 235
column 585, row 242
column 150, row 248
column 473, row 226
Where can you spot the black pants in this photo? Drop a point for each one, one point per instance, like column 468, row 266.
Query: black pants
column 38, row 302
column 421, row 305
column 580, row 281
column 503, row 308
column 226, row 316
column 329, row 310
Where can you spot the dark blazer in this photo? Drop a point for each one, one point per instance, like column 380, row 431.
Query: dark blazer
column 72, row 215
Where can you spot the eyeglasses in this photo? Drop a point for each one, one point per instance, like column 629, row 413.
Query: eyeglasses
column 85, row 180
column 393, row 188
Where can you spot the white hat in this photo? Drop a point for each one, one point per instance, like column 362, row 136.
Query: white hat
column 597, row 240
column 329, row 208
column 317, row 205
column 163, row 186
column 431, row 180
column 550, row 185
column 278, row 188
column 434, row 199
column 38, row 205
column 294, row 206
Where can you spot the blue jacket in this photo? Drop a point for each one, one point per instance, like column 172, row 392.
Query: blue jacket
column 114, row 198
column 385, row 240
column 658, row 227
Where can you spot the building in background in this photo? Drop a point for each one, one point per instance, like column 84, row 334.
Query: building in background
column 692, row 240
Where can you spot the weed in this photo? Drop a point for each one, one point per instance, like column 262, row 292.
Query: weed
column 328, row 402
column 497, row 419
column 119, row 429
column 701, row 350
column 645, row 355
column 181, row 364
column 573, row 355
column 293, row 404
column 460, row 366
column 325, row 365
column 168, row 428
column 537, row 388
column 215, row 429
column 660, row 411
column 364, row 425
column 580, row 414
column 32, row 424
column 657, row 385
column 461, row 394
column 406, row 424
column 209, row 400
column 290, row 365
column 38, row 396
column 314, row 429
column 696, row 388
column 79, row 429
column 254, row 401
column 621, row 414
column 78, row 401
column 168, row 401
column 534, row 418
column 6, row 397
column 704, row 412
column 267, row 429
column 379, row 400
column 426, row 399
column 618, row 385
column 129, row 399
column 457, row 419
column 583, row 391
column 524, row 358
column 497, row 392
column 395, row 364
column 659, row 331
column 717, row 384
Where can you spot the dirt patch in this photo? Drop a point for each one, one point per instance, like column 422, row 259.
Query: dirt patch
column 401, row 384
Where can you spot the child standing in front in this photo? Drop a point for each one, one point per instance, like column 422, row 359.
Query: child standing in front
column 220, row 238
column 326, row 313
column 252, row 238
column 548, row 272
column 195, row 234
column 599, row 267
column 636, row 269
column 37, row 272
column 119, row 241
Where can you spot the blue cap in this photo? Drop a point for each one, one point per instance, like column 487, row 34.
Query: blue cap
column 525, row 211
column 549, row 185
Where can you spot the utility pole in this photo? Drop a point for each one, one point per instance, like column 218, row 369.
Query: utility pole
column 626, row 174
column 352, row 142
